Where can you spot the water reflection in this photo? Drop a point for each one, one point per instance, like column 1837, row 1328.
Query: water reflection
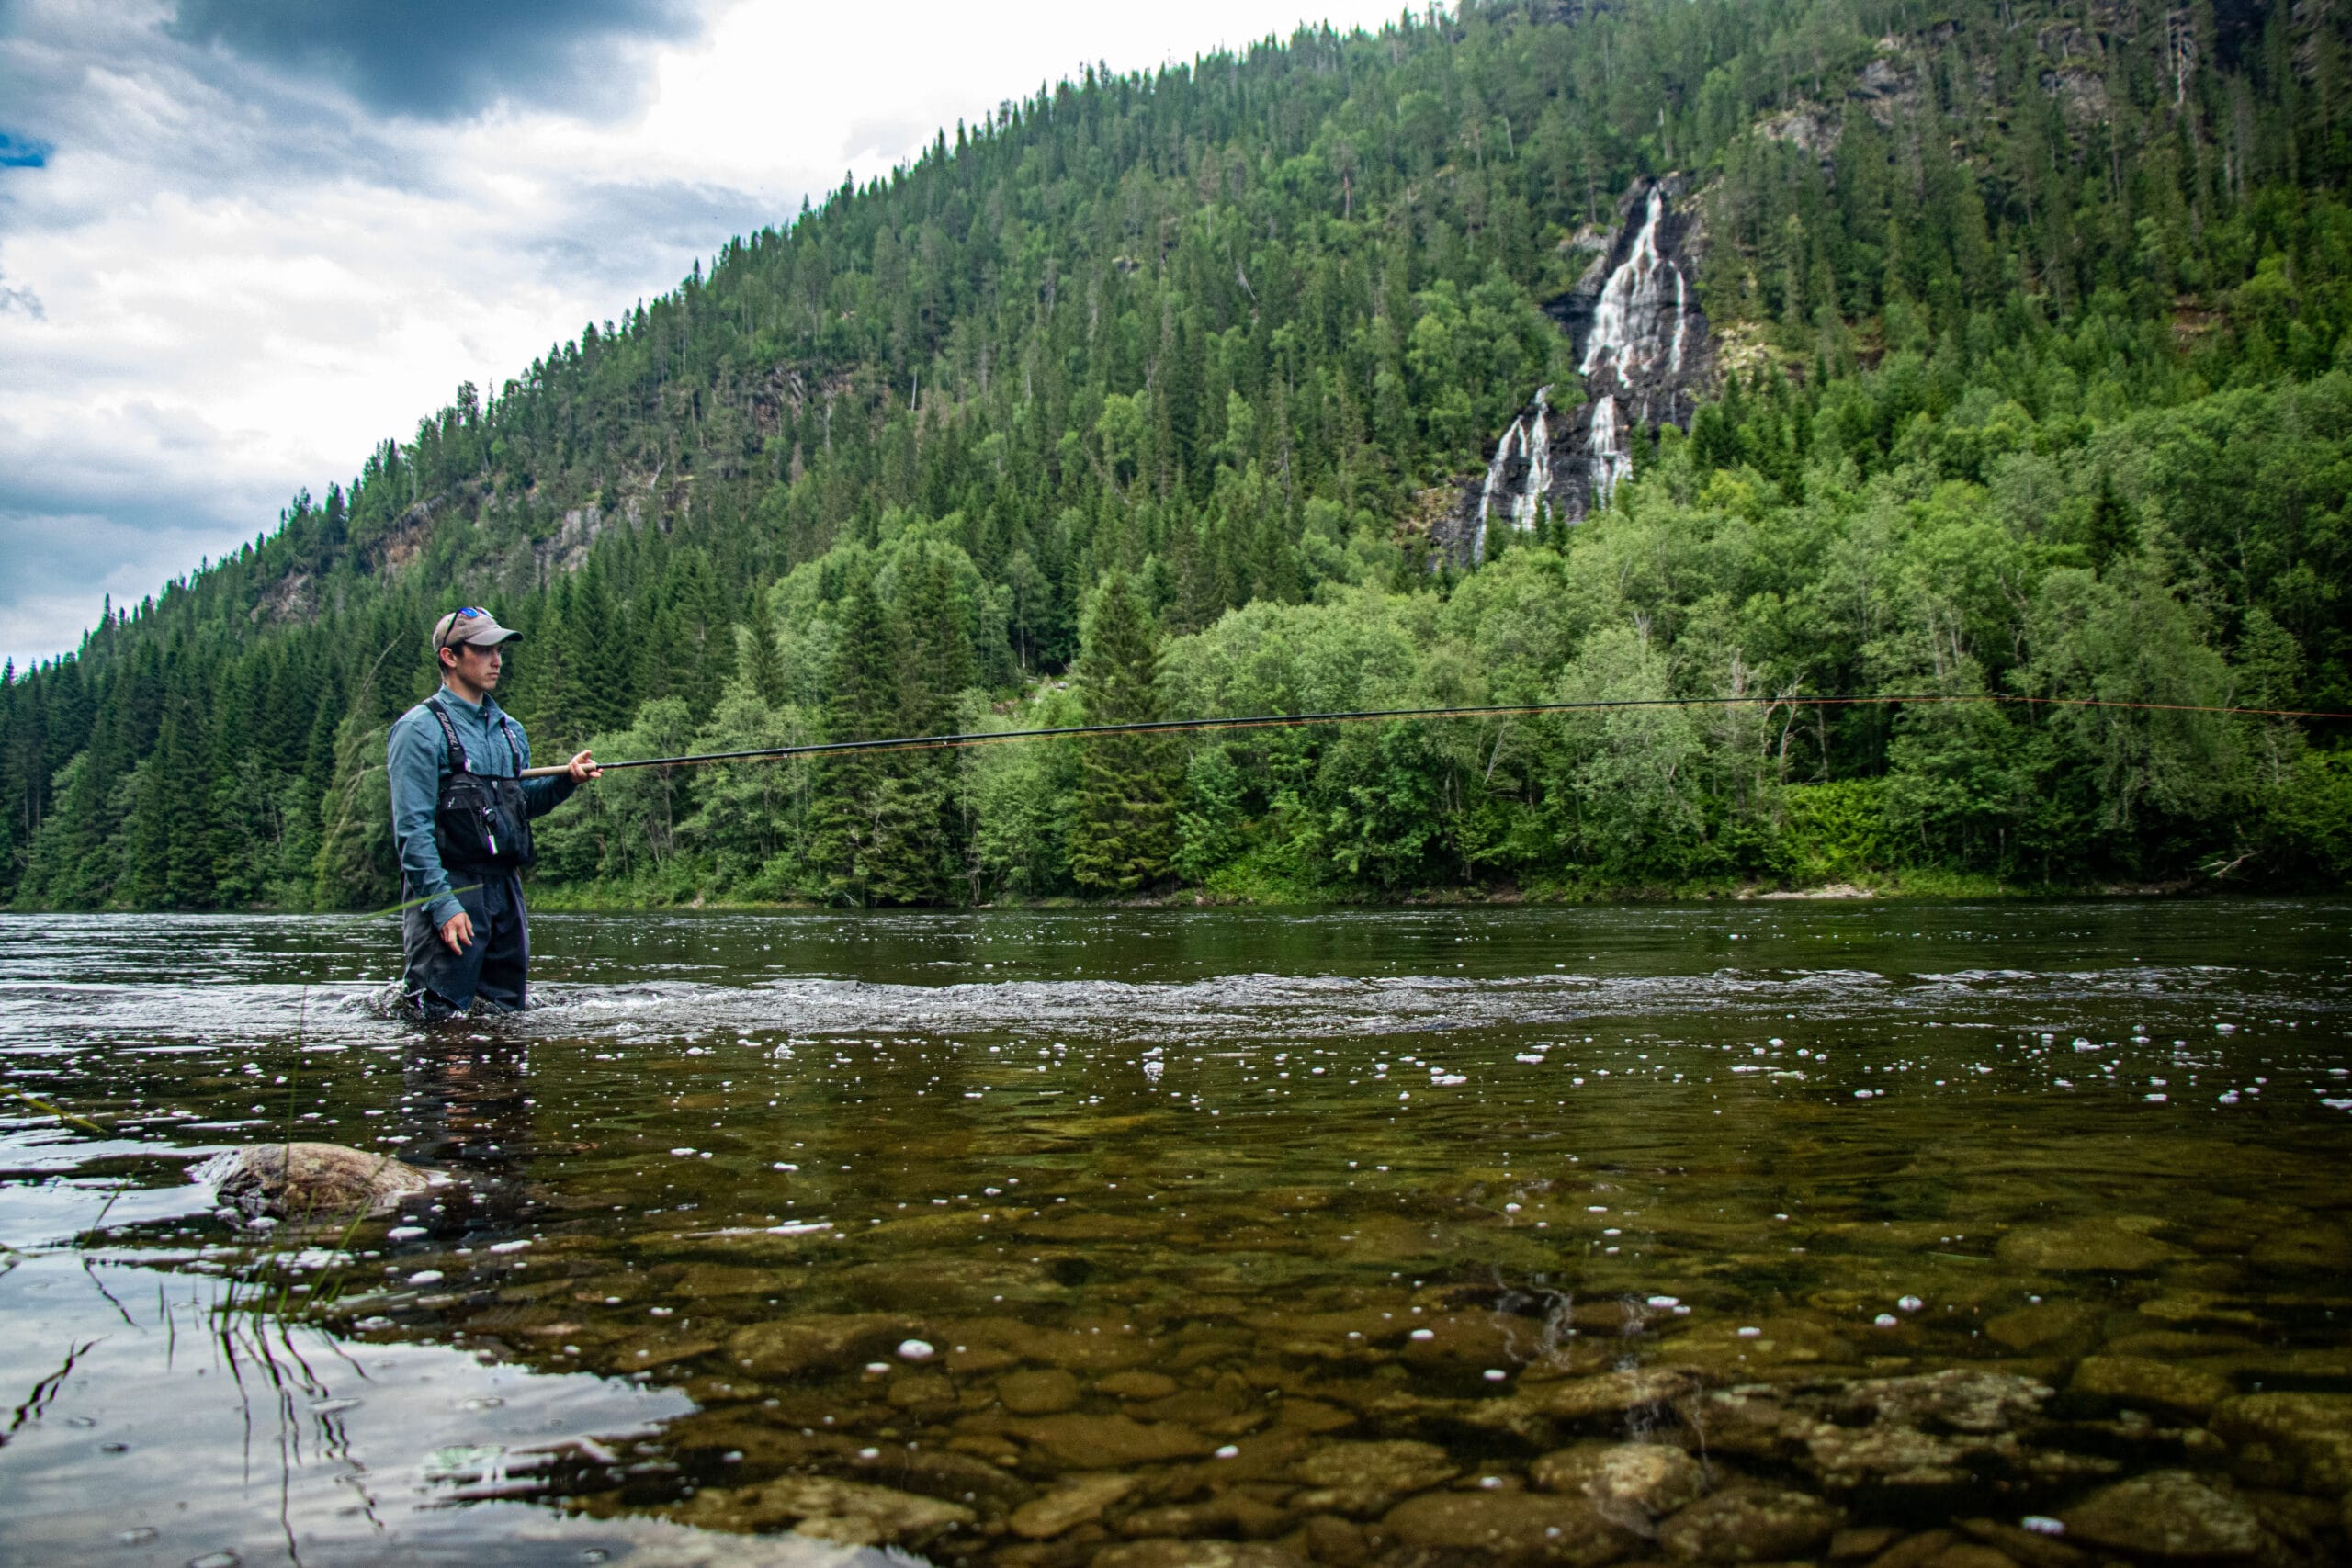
column 1046, row 1239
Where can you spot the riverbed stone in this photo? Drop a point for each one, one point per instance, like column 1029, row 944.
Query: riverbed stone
column 1750, row 1525
column 812, row 1342
column 1470, row 1339
column 2025, row 1546
column 1108, row 1442
column 1363, row 1478
column 2106, row 1245
column 1512, row 1527
column 1958, row 1399
column 2310, row 1249
column 1228, row 1513
column 1038, row 1391
column 1650, row 1477
column 311, row 1180
column 1889, row 1457
column 2167, row 1514
column 2300, row 1441
column 2042, row 1325
column 1086, row 1347
column 1612, row 1393
column 922, row 1394
column 849, row 1512
column 1170, row 1553
column 1076, row 1501
column 1137, row 1385
column 2141, row 1383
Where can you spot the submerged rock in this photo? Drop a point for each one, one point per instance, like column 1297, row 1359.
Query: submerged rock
column 1513, row 1528
column 321, row 1180
column 1038, row 1391
column 1959, row 1399
column 2168, row 1514
column 2106, row 1246
column 850, row 1512
column 2301, row 1441
column 1756, row 1526
column 2150, row 1385
column 1074, row 1502
column 1365, row 1478
column 2043, row 1324
column 1626, row 1480
column 1172, row 1554
column 1108, row 1442
column 1612, row 1393
column 1891, row 1458
column 794, row 1344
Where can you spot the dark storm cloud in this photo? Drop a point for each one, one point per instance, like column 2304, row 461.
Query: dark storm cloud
column 449, row 59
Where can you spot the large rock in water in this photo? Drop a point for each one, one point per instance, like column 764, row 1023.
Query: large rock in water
column 311, row 1180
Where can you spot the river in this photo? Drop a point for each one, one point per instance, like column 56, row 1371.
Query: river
column 1760, row 1231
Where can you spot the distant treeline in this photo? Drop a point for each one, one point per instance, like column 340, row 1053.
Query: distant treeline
column 1137, row 399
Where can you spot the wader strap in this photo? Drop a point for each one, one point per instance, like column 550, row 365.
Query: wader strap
column 457, row 747
column 513, row 740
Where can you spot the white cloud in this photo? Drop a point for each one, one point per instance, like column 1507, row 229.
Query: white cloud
column 228, row 283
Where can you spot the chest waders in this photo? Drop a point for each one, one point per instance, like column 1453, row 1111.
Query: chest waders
column 483, row 834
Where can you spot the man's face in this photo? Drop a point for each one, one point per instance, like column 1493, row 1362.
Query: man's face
column 478, row 666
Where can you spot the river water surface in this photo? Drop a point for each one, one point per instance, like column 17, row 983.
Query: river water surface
column 1970, row 1234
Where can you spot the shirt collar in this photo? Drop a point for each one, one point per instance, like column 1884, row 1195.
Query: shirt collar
column 482, row 709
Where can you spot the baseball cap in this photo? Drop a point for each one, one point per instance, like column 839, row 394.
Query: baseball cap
column 470, row 625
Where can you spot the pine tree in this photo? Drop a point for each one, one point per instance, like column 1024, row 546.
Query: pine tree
column 1125, row 835
column 868, row 837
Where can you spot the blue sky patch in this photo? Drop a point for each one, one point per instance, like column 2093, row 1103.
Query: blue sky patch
column 22, row 151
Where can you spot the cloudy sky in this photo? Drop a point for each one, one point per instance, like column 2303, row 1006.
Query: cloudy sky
column 242, row 240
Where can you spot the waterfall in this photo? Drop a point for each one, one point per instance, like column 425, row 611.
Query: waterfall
column 1606, row 447
column 1681, row 322
column 1533, row 442
column 1525, row 508
column 1631, row 344
column 1631, row 308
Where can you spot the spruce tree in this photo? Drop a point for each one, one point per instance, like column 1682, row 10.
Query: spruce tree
column 1125, row 835
column 866, row 838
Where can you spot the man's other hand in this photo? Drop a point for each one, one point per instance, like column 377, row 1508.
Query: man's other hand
column 584, row 768
column 457, row 931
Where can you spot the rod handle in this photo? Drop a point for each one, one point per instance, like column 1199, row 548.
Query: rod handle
column 557, row 771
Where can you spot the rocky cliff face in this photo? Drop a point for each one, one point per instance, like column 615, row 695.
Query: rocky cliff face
column 1644, row 356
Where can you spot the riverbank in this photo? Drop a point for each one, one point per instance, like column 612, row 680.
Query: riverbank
column 1923, row 886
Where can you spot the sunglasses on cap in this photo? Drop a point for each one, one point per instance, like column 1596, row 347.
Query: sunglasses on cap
column 467, row 612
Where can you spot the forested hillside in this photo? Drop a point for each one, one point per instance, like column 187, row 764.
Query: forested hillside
column 2032, row 374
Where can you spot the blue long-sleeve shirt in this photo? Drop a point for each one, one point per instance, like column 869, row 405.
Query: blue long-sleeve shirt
column 416, row 760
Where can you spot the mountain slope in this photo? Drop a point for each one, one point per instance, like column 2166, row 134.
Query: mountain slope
column 2020, row 373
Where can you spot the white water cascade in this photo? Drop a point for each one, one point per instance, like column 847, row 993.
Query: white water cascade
column 1631, row 337
column 1527, row 438
column 1605, row 449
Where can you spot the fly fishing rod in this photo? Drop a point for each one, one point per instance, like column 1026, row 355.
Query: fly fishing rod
column 1377, row 715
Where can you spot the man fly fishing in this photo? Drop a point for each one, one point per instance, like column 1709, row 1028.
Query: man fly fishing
column 461, row 814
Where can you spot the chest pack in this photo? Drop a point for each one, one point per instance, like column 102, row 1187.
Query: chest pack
column 479, row 822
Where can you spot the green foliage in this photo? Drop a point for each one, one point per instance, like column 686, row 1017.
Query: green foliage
column 1123, row 835
column 2032, row 390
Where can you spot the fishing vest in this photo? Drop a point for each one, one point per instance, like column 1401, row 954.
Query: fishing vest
column 480, row 823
